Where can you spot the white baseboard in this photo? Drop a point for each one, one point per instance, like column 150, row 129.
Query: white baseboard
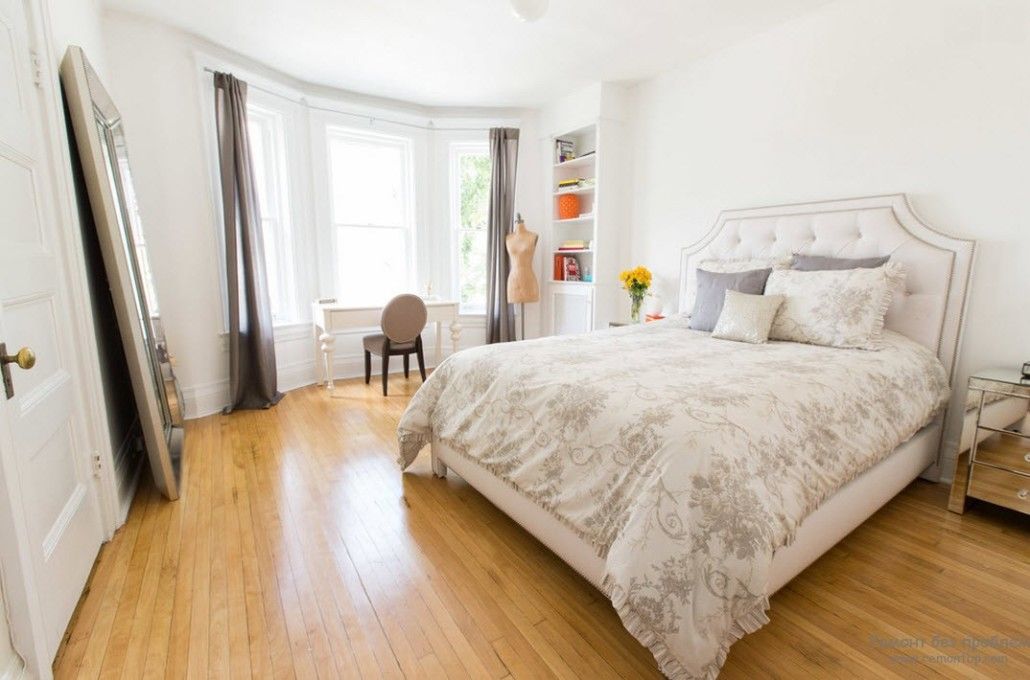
column 208, row 398
column 211, row 398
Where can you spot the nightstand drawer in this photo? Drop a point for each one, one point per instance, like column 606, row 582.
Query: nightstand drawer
column 1007, row 451
column 1000, row 487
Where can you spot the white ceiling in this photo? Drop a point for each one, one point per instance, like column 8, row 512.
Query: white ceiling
column 469, row 52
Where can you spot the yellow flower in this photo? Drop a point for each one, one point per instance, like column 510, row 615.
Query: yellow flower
column 636, row 280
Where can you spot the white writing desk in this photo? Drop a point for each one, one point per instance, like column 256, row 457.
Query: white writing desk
column 331, row 317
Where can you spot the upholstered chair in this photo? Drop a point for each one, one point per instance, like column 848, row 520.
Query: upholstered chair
column 402, row 322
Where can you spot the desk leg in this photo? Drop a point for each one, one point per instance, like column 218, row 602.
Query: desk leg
column 327, row 342
column 319, row 363
column 455, row 335
column 439, row 342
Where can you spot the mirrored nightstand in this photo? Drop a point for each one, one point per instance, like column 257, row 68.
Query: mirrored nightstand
column 997, row 469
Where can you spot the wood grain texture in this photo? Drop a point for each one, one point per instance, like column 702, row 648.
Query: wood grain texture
column 298, row 550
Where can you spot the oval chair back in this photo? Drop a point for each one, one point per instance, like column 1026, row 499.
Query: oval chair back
column 404, row 318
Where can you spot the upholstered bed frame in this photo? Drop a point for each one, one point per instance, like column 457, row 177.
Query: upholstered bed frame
column 929, row 311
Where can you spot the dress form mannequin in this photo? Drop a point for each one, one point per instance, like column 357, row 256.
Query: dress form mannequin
column 523, row 286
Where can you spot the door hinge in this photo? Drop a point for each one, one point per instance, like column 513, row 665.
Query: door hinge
column 96, row 464
column 37, row 68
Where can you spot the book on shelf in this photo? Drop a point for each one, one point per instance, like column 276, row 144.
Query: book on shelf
column 577, row 183
column 564, row 150
column 574, row 244
column 566, row 268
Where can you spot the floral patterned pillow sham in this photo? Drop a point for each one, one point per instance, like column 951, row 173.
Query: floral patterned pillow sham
column 837, row 308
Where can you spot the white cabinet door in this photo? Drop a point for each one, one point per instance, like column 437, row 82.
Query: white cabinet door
column 50, row 524
column 572, row 309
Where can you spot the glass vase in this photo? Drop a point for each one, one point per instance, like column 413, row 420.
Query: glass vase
column 635, row 301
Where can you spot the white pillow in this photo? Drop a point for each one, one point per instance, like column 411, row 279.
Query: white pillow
column 747, row 318
column 730, row 266
column 841, row 308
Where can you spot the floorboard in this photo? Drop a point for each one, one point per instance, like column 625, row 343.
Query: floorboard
column 299, row 551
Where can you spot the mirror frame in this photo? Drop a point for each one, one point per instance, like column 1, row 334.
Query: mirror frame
column 90, row 107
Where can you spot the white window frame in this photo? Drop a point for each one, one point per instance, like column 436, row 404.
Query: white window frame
column 280, row 223
column 408, row 227
column 456, row 151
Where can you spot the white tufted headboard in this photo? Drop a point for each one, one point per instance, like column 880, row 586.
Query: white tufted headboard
column 938, row 267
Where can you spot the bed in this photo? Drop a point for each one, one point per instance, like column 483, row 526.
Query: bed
column 689, row 491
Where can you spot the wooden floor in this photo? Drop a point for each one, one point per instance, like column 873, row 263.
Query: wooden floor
column 299, row 550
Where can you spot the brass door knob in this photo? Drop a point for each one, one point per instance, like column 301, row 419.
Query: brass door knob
column 25, row 358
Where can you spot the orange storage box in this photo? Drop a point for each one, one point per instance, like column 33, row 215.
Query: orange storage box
column 568, row 206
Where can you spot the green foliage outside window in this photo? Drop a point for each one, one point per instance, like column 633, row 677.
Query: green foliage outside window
column 474, row 204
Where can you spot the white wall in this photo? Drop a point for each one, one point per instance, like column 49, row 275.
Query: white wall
column 78, row 22
column 156, row 82
column 927, row 97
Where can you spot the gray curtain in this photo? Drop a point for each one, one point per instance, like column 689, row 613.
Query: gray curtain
column 252, row 379
column 504, row 152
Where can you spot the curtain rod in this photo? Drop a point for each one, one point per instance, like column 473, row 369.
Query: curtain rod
column 371, row 119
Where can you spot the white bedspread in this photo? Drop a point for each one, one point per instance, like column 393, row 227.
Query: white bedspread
column 684, row 460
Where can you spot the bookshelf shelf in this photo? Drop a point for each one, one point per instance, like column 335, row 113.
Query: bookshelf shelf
column 577, row 162
column 576, row 220
column 581, row 190
column 573, row 252
column 572, row 283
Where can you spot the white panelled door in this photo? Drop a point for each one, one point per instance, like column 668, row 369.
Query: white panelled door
column 50, row 524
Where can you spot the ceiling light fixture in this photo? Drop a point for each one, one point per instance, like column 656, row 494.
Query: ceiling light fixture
column 528, row 10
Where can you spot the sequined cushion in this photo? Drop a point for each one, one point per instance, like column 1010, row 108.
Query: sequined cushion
column 747, row 318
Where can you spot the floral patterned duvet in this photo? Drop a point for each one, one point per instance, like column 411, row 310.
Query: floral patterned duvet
column 684, row 460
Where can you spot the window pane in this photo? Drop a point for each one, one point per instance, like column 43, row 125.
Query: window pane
column 266, row 133
column 275, row 271
column 475, row 190
column 473, row 203
column 259, row 158
column 367, row 181
column 472, row 269
column 371, row 264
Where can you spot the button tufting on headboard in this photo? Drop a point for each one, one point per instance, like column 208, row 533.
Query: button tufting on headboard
column 930, row 308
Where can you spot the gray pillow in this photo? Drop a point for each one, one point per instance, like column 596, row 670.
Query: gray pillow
column 818, row 263
column 711, row 293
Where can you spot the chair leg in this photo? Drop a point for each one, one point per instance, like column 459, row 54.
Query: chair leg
column 386, row 365
column 421, row 359
column 406, row 357
column 368, row 367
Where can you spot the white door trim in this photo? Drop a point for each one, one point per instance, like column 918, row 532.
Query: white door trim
column 86, row 367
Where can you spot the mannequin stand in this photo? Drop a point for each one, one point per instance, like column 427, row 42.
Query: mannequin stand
column 522, row 318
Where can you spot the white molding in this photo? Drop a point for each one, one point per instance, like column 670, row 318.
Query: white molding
column 71, row 508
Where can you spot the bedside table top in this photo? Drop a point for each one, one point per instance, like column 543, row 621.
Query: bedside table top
column 1008, row 380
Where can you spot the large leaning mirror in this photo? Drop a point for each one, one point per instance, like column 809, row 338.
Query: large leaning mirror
column 100, row 140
